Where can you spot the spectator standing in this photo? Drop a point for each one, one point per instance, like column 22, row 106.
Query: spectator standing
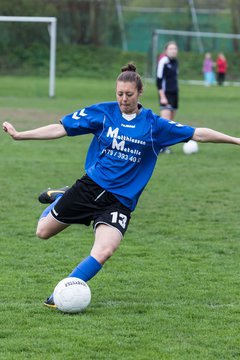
column 221, row 65
column 208, row 72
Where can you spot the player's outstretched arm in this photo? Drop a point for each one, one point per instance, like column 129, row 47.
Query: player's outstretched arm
column 209, row 135
column 48, row 132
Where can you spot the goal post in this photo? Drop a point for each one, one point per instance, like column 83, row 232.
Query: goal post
column 196, row 34
column 52, row 27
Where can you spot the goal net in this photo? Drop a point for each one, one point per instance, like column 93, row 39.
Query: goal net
column 52, row 27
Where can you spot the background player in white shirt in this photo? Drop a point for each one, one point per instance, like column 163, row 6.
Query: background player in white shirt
column 127, row 139
column 167, row 81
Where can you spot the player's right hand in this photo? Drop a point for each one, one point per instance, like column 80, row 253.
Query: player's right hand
column 10, row 129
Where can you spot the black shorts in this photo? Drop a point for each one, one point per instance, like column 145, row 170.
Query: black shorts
column 87, row 202
column 172, row 102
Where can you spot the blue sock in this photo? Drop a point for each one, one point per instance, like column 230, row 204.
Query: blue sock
column 87, row 269
column 49, row 208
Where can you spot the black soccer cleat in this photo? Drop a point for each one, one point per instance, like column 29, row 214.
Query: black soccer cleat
column 50, row 302
column 49, row 196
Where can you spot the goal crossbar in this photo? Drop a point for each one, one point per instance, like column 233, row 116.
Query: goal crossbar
column 196, row 33
column 52, row 21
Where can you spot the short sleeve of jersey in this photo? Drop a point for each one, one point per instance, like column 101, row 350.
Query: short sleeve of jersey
column 160, row 70
column 168, row 133
column 84, row 121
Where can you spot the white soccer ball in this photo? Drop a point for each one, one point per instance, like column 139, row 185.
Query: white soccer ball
column 190, row 147
column 72, row 295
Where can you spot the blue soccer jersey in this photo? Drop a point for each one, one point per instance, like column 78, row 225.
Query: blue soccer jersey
column 123, row 152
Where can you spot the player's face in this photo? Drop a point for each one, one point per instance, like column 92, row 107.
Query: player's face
column 127, row 97
column 172, row 51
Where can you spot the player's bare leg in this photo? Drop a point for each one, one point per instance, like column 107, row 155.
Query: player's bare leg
column 169, row 115
column 48, row 227
column 107, row 240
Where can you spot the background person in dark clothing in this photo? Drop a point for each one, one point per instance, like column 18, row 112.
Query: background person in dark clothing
column 167, row 83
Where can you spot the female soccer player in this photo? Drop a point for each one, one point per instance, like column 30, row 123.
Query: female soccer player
column 127, row 139
column 167, row 83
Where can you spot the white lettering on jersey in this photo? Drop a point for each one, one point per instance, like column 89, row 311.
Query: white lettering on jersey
column 128, row 126
column 112, row 133
column 118, row 146
column 119, row 142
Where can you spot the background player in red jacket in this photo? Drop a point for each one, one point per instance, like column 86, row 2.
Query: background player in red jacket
column 221, row 65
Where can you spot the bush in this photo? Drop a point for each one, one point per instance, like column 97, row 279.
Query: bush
column 98, row 62
column 72, row 60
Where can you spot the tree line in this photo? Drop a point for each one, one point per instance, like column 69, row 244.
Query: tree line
column 79, row 21
column 94, row 22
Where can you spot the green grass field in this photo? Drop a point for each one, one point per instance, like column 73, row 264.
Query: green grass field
column 172, row 290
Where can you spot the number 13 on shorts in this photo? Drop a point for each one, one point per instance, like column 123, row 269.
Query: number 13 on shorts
column 120, row 218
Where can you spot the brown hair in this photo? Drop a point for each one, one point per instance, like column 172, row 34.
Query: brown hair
column 129, row 74
column 172, row 42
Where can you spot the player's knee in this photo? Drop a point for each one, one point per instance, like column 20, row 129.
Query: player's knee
column 108, row 253
column 42, row 233
column 105, row 254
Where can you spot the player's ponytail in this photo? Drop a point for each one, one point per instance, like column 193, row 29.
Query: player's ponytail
column 129, row 74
